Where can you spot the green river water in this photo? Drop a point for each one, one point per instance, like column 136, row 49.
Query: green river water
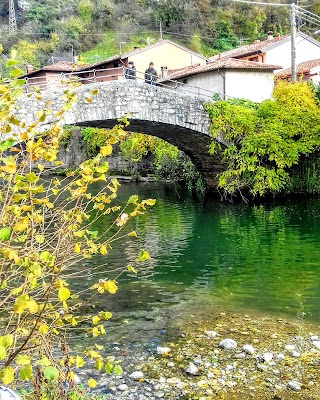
column 208, row 255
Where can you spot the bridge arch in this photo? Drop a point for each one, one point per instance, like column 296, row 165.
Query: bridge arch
column 176, row 117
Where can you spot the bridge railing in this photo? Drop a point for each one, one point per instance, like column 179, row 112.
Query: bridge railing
column 54, row 81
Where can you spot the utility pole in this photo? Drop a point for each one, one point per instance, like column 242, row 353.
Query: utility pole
column 12, row 18
column 293, row 42
column 161, row 38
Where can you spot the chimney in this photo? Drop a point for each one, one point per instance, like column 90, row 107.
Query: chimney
column 270, row 35
column 164, row 72
column 29, row 68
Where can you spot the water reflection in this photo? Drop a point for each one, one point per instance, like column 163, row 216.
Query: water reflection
column 264, row 258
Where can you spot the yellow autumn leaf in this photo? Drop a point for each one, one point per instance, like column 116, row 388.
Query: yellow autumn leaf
column 63, row 294
column 77, row 248
column 95, row 332
column 7, row 375
column 95, row 319
column 10, row 168
column 110, row 286
column 103, row 250
column 99, row 364
column 91, row 383
column 32, row 306
column 23, row 359
column 79, row 362
column 43, row 328
column 22, row 225
column 106, row 150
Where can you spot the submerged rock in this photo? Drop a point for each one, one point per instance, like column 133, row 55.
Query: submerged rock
column 163, row 350
column 136, row 375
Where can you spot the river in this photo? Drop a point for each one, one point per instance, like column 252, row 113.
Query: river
column 208, row 255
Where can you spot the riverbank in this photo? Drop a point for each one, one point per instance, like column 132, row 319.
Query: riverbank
column 227, row 356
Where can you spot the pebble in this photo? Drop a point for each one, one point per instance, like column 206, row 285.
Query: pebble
column 247, row 348
column 295, row 354
column 289, row 347
column 210, row 334
column 240, row 355
column 267, row 357
column 294, row 385
column 192, row 369
column 170, row 364
column 163, row 350
column 173, row 381
column 123, row 387
column 228, row 344
column 280, row 357
column 136, row 375
column 316, row 344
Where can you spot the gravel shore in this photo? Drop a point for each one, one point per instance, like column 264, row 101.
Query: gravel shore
column 227, row 356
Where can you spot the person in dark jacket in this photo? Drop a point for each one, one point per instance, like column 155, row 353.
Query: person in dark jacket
column 150, row 75
column 130, row 71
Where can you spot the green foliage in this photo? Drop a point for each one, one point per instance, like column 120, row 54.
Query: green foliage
column 265, row 140
column 195, row 43
column 97, row 27
column 47, row 226
column 305, row 177
column 95, row 138
column 85, row 11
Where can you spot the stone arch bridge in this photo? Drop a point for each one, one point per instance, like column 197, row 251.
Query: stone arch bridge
column 174, row 116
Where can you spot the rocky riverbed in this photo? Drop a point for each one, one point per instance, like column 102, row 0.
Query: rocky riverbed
column 229, row 356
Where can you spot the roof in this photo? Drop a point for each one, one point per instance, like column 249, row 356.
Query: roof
column 230, row 63
column 140, row 50
column 302, row 68
column 61, row 66
column 99, row 63
column 259, row 47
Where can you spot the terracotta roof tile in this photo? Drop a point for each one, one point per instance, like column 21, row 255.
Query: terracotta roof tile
column 247, row 49
column 302, row 68
column 230, row 63
column 62, row 66
column 259, row 47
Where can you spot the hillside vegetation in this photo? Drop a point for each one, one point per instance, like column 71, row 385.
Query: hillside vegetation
column 97, row 29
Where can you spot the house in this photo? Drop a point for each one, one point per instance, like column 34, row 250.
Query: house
column 50, row 76
column 165, row 55
column 306, row 71
column 228, row 78
column 275, row 50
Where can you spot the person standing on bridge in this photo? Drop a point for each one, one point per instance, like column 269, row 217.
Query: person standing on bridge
column 150, row 75
column 130, row 71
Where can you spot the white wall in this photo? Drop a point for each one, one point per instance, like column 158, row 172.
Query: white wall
column 207, row 82
column 250, row 84
column 281, row 55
